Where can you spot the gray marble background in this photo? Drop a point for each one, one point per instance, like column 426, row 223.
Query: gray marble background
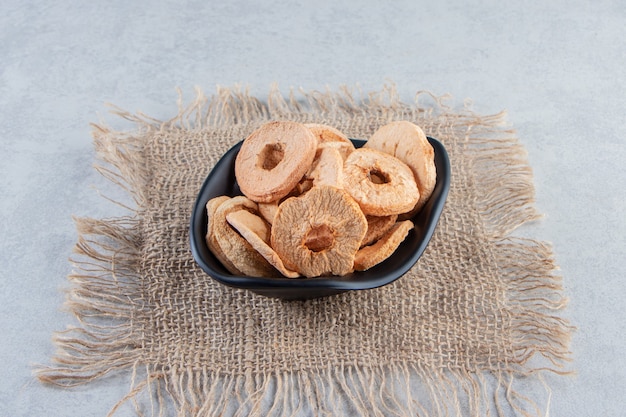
column 557, row 67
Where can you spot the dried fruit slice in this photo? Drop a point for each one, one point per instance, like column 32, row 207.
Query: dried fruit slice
column 374, row 254
column 237, row 249
column 268, row 210
column 319, row 232
column 328, row 136
column 381, row 183
column 251, row 222
column 273, row 159
column 211, row 207
column 407, row 142
column 377, row 226
column 254, row 229
column 326, row 169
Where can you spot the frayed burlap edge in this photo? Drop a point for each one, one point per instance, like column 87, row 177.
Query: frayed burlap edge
column 105, row 293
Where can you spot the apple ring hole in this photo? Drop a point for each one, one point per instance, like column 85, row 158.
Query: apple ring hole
column 271, row 155
column 379, row 177
column 319, row 238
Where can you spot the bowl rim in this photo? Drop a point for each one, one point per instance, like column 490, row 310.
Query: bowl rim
column 428, row 216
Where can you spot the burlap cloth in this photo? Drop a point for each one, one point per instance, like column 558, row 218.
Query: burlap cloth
column 454, row 336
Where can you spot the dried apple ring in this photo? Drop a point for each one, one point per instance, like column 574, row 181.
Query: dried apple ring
column 256, row 231
column 237, row 249
column 328, row 136
column 407, row 142
column 273, row 159
column 377, row 226
column 211, row 208
column 381, row 183
column 374, row 254
column 319, row 232
column 268, row 210
column 243, row 219
column 327, row 168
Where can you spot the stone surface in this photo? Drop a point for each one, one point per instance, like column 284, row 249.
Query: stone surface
column 557, row 67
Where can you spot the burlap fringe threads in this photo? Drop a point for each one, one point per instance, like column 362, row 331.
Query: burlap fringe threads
column 105, row 295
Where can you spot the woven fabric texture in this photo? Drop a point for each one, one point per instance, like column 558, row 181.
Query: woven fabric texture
column 478, row 312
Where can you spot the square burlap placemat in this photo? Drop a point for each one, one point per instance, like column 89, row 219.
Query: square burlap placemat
column 454, row 336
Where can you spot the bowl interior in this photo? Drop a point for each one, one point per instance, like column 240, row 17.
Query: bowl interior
column 221, row 181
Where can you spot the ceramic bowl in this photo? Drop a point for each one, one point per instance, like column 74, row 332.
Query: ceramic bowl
column 221, row 181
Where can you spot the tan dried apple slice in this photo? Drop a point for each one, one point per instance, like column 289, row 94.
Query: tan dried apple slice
column 374, row 254
column 257, row 232
column 237, row 249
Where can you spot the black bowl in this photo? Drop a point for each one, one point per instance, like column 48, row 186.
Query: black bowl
column 221, row 181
